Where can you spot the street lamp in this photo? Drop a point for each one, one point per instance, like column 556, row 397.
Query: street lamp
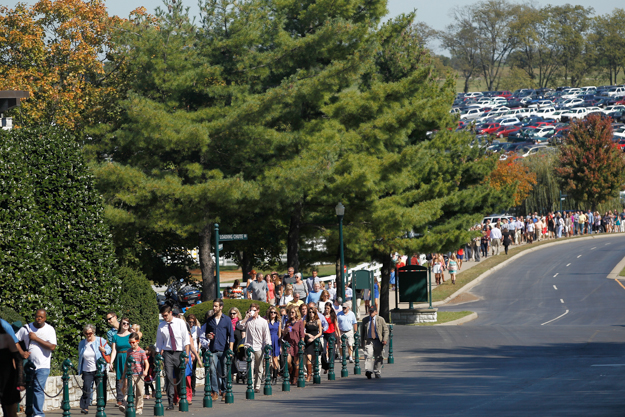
column 340, row 212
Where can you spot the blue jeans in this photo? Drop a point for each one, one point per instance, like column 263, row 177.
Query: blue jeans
column 217, row 369
column 41, row 376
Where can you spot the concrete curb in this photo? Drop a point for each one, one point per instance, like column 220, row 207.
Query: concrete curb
column 480, row 278
column 617, row 270
column 461, row 321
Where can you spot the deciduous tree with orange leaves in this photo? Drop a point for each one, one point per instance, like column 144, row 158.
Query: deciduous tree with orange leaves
column 512, row 172
column 62, row 52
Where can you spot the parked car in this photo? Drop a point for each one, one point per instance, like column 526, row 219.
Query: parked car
column 572, row 114
column 614, row 92
column 506, row 131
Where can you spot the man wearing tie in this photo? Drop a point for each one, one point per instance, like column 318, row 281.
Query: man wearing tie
column 172, row 337
column 374, row 337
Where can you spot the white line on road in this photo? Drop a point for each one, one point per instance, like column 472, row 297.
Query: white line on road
column 607, row 244
column 593, row 248
column 561, row 315
column 611, row 364
column 556, row 274
column 568, row 264
column 579, row 256
column 555, row 288
column 561, row 300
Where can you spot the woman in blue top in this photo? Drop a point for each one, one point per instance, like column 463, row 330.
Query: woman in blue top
column 275, row 330
column 90, row 350
column 121, row 345
column 376, row 294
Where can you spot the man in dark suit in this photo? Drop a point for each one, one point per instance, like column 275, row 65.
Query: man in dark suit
column 373, row 337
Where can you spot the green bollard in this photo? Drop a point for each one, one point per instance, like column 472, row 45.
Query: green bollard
column 356, row 354
column 286, row 384
column 183, row 404
column 344, row 372
column 301, row 382
column 130, row 400
column 249, row 394
column 158, row 404
column 267, row 389
column 208, row 400
column 391, row 359
column 316, row 376
column 65, row 404
column 99, row 380
column 29, row 369
column 331, row 374
column 229, row 395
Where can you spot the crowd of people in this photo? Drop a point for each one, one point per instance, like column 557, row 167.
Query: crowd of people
column 320, row 317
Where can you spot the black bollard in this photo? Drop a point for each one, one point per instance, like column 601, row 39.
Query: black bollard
column 229, row 395
column 158, row 395
column 356, row 354
column 344, row 372
column 183, row 405
column 301, row 382
column 286, row 384
column 130, row 399
column 316, row 376
column 249, row 394
column 331, row 374
column 267, row 388
column 99, row 380
column 391, row 359
column 208, row 400
column 29, row 369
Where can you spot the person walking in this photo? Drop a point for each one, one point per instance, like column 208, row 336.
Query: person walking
column 194, row 326
column 300, row 287
column 113, row 325
column 271, row 290
column 287, row 296
column 374, row 337
column 90, row 350
column 257, row 336
column 484, row 244
column 453, row 270
column 293, row 333
column 172, row 337
column 11, row 370
column 495, row 239
column 121, row 346
column 507, row 239
column 313, row 328
column 333, row 330
column 40, row 341
column 139, row 370
column 257, row 289
column 217, row 335
column 275, row 329
column 347, row 326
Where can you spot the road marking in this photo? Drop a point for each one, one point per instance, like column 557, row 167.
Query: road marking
column 568, row 264
column 607, row 244
column 611, row 364
column 561, row 300
column 555, row 288
column 579, row 256
column 556, row 274
column 620, row 283
column 561, row 315
column 593, row 248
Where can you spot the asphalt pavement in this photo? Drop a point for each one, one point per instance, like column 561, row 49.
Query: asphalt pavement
column 525, row 355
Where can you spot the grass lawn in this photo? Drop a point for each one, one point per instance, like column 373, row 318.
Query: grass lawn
column 445, row 317
column 463, row 278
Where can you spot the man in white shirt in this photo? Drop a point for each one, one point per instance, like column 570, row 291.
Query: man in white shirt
column 172, row 337
column 40, row 340
column 495, row 238
column 256, row 336
column 332, row 289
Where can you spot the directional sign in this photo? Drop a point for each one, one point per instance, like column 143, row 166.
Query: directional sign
column 226, row 238
column 221, row 247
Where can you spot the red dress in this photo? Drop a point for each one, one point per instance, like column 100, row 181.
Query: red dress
column 293, row 334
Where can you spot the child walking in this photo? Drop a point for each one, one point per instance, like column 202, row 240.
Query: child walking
column 139, row 370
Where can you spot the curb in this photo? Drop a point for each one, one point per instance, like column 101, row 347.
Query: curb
column 461, row 321
column 617, row 270
column 480, row 278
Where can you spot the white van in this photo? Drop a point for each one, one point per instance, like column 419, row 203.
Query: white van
column 494, row 218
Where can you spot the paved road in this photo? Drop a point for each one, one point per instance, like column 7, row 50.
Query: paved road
column 505, row 363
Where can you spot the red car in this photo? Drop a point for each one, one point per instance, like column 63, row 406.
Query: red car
column 505, row 94
column 620, row 143
column 487, row 128
column 548, row 122
column 505, row 131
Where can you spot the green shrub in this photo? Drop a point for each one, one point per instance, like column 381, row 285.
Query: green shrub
column 200, row 310
column 11, row 315
column 138, row 302
column 55, row 251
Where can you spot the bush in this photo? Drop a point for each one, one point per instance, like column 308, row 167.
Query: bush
column 138, row 302
column 11, row 315
column 55, row 250
column 200, row 310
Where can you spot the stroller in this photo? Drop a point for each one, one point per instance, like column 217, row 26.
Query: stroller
column 240, row 364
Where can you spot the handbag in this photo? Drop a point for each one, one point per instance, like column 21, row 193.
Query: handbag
column 106, row 357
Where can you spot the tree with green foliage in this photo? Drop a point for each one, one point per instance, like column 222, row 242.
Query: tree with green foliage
column 608, row 39
column 55, row 249
column 591, row 167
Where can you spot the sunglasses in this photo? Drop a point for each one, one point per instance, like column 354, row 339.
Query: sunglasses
column 273, row 312
column 88, row 334
column 133, row 342
column 109, row 318
column 233, row 313
column 125, row 324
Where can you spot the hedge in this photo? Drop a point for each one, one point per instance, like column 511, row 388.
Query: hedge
column 200, row 310
column 138, row 302
column 55, row 250
column 11, row 315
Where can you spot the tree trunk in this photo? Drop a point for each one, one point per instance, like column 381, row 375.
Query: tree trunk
column 387, row 265
column 466, row 83
column 207, row 265
column 292, row 245
column 246, row 265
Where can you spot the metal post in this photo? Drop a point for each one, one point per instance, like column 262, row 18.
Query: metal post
column 183, row 405
column 208, row 359
column 430, row 280
column 391, row 359
column 286, row 384
column 331, row 351
column 301, row 382
column 65, row 404
column 410, row 304
column 343, row 283
column 344, row 372
column 229, row 395
column 158, row 404
column 267, row 389
column 249, row 394
column 130, row 399
column 316, row 376
column 217, row 290
column 99, row 380
column 30, row 368
column 356, row 354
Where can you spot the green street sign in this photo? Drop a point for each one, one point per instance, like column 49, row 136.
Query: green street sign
column 226, row 238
